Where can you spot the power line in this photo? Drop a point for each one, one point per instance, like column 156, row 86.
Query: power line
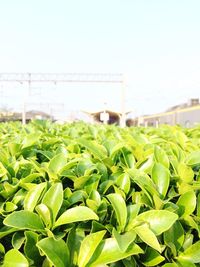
column 62, row 77
column 55, row 78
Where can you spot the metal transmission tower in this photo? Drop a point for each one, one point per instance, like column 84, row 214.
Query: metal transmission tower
column 55, row 78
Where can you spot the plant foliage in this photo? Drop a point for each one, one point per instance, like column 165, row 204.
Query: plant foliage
column 96, row 196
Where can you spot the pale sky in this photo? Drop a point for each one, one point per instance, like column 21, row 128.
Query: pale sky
column 155, row 43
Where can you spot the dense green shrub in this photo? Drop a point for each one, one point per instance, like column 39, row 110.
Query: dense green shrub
column 85, row 195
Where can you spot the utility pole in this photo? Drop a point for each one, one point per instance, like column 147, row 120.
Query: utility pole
column 123, row 104
column 27, row 92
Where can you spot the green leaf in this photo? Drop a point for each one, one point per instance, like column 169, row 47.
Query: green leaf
column 161, row 156
column 132, row 212
column 33, row 196
column 80, row 182
column 5, row 230
column 174, row 236
column 18, row 239
column 185, row 263
column 188, row 220
column 148, row 236
column 30, row 139
column 160, row 176
column 170, row 265
column 3, row 170
column 119, row 207
column 45, row 214
column 188, row 240
column 129, row 159
column 14, row 148
column 144, row 182
column 74, row 241
column 53, row 199
column 152, row 257
column 96, row 149
column 198, row 205
column 129, row 262
column 194, row 158
column 186, row 203
column 24, row 220
column 56, row 251
column 185, row 172
column 125, row 239
column 9, row 206
column 146, row 164
column 57, row 163
column 123, row 181
column 76, row 214
column 191, row 254
column 83, row 166
column 30, row 178
column 95, row 196
column 108, row 251
column 8, row 190
column 88, row 247
column 159, row 220
column 30, row 249
column 14, row 258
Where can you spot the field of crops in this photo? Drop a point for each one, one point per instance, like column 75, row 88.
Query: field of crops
column 96, row 196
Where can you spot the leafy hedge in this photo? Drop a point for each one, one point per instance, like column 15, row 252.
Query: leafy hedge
column 83, row 195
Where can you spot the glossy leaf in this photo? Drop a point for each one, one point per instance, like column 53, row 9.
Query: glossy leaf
column 24, row 220
column 124, row 240
column 198, row 205
column 30, row 178
column 3, row 170
column 160, row 176
column 88, row 247
column 76, row 214
column 30, row 249
column 147, row 236
column 18, row 239
column 185, row 172
column 119, row 207
column 74, row 241
column 108, row 251
column 56, row 251
column 175, row 236
column 159, row 220
column 97, row 150
column 9, row 206
column 123, row 181
column 186, row 263
column 30, row 139
column 192, row 253
column 132, row 212
column 33, row 196
column 53, row 199
column 144, row 182
column 5, row 230
column 152, row 257
column 194, row 158
column 57, row 163
column 161, row 156
column 170, row 265
column 14, row 258
column 186, row 203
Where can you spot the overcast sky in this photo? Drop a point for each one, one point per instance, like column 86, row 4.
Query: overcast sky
column 155, row 43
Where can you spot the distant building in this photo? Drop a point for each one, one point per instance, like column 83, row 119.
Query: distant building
column 106, row 116
column 30, row 115
column 187, row 115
